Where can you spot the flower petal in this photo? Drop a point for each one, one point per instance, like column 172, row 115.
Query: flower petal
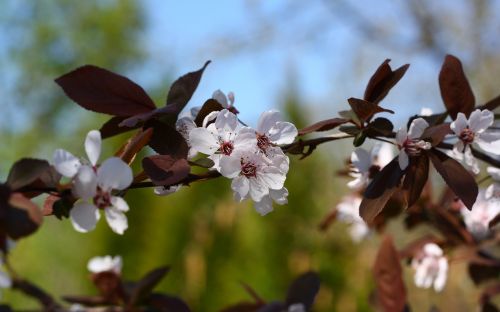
column 401, row 136
column 417, row 128
column 459, row 124
column 480, row 120
column 204, row 141
column 442, row 273
column 117, row 220
column 264, row 206
column 104, row 264
column 267, row 120
column 226, row 121
column 65, row 163
column 283, row 133
column 230, row 166
column 403, row 160
column 220, row 97
column 257, row 189
column 272, row 177
column 279, row 196
column 93, row 146
column 246, row 138
column 164, row 191
column 84, row 217
column 115, row 174
column 240, row 185
column 119, row 203
column 85, row 183
column 361, row 159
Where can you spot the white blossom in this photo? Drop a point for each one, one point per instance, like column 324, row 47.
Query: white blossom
column 221, row 137
column 493, row 190
column 364, row 163
column 164, row 191
column 478, row 218
column 297, row 307
column 348, row 212
column 474, row 130
column 253, row 173
column 271, row 131
column 105, row 264
column 431, row 267
column 425, row 111
column 409, row 143
column 225, row 101
column 94, row 186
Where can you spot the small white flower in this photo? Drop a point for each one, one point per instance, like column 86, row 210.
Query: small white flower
column 68, row 165
column 493, row 191
column 221, row 137
column 366, row 163
column 409, row 143
column 271, row 131
column 184, row 125
column 105, row 264
column 96, row 185
column 225, row 101
column 431, row 267
column 474, row 130
column 297, row 307
column 478, row 218
column 253, row 173
column 265, row 205
column 164, row 191
column 425, row 111
column 348, row 212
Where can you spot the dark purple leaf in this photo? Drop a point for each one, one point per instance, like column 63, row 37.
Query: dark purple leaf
column 303, row 290
column 323, row 125
column 484, row 268
column 145, row 285
column 112, row 127
column 209, row 106
column 183, row 88
column 391, row 291
column 455, row 89
column 364, row 109
column 380, row 190
column 450, row 226
column 436, row 134
column 165, row 170
column 382, row 82
column 26, row 171
column 167, row 303
column 461, row 182
column 23, row 217
column 103, row 91
column 380, row 126
column 167, row 141
column 415, row 178
column 110, row 286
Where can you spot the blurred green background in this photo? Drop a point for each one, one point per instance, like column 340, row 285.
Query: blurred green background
column 304, row 58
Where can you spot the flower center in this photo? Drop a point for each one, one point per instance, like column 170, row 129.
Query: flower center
column 226, row 148
column 414, row 147
column 467, row 136
column 263, row 142
column 102, row 199
column 248, row 169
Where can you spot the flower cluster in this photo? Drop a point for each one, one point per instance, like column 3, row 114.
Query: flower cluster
column 93, row 186
column 431, row 267
column 252, row 158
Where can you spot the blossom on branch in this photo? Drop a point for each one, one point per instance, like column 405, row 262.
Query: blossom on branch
column 348, row 212
column 431, row 267
column 409, row 143
column 105, row 264
column 478, row 219
column 366, row 164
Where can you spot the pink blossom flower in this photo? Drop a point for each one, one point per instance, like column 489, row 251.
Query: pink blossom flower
column 409, row 143
column 431, row 267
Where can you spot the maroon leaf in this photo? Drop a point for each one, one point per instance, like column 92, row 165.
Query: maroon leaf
column 380, row 126
column 103, row 91
column 484, row 269
column 324, row 125
column 492, row 104
column 167, row 141
column 183, row 88
column 461, row 182
column 146, row 285
column 364, row 109
column 450, row 226
column 167, row 303
column 436, row 134
column 26, row 171
column 303, row 290
column 380, row 190
column 415, row 178
column 23, row 217
column 165, row 170
column 209, row 106
column 455, row 89
column 391, row 291
column 382, row 81
column 112, row 127
column 243, row 307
